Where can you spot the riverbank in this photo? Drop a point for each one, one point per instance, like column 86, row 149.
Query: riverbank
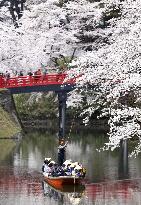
column 8, row 127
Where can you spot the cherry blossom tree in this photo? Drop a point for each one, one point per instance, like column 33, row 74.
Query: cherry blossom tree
column 114, row 73
column 48, row 30
column 106, row 38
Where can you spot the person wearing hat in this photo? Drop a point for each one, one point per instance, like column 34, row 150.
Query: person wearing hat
column 67, row 169
column 51, row 163
column 67, row 162
column 77, row 170
column 61, row 151
column 72, row 166
column 45, row 164
column 55, row 171
column 49, row 168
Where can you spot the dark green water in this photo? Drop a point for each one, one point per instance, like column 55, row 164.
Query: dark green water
column 21, row 180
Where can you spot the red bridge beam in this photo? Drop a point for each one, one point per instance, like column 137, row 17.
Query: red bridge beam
column 23, row 81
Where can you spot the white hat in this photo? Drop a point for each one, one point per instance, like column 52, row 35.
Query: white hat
column 67, row 162
column 72, row 165
column 48, row 159
column 78, row 167
column 52, row 162
column 76, row 163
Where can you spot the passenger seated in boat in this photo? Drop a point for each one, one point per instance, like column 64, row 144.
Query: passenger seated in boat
column 77, row 170
column 60, row 171
column 67, row 162
column 66, row 167
column 45, row 164
column 55, row 170
column 72, row 166
column 68, row 170
column 48, row 168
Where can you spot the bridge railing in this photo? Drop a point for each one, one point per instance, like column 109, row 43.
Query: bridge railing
column 22, row 81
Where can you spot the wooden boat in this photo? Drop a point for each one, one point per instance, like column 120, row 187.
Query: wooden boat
column 58, row 182
column 79, row 188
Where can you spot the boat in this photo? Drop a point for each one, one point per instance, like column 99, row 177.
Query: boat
column 79, row 188
column 60, row 181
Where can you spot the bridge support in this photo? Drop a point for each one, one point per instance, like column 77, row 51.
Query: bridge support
column 123, row 163
column 62, row 97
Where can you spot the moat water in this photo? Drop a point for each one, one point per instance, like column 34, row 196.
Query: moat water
column 107, row 182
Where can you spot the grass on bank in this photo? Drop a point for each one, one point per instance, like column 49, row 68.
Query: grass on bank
column 7, row 127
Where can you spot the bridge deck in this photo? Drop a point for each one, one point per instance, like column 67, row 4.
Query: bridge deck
column 37, row 83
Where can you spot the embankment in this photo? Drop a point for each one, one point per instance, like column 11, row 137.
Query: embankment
column 9, row 125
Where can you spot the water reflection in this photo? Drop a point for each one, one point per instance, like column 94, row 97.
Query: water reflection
column 118, row 192
column 21, row 178
column 69, row 194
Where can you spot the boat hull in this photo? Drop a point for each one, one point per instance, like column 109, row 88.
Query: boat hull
column 58, row 182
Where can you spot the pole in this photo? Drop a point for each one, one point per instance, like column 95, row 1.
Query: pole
column 62, row 97
column 123, row 162
column 125, row 156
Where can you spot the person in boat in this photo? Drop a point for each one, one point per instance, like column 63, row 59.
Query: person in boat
column 45, row 164
column 55, row 170
column 59, row 171
column 49, row 168
column 61, row 151
column 72, row 166
column 67, row 169
column 78, row 171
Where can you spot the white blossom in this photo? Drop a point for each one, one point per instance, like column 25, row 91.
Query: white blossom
column 107, row 59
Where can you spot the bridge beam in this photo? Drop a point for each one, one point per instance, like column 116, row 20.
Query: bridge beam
column 62, row 97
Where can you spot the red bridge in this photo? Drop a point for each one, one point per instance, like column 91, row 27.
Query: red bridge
column 38, row 83
column 58, row 83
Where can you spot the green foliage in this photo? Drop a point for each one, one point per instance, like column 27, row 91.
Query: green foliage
column 62, row 63
column 38, row 105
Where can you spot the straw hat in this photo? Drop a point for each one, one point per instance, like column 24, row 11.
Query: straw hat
column 67, row 162
column 78, row 167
